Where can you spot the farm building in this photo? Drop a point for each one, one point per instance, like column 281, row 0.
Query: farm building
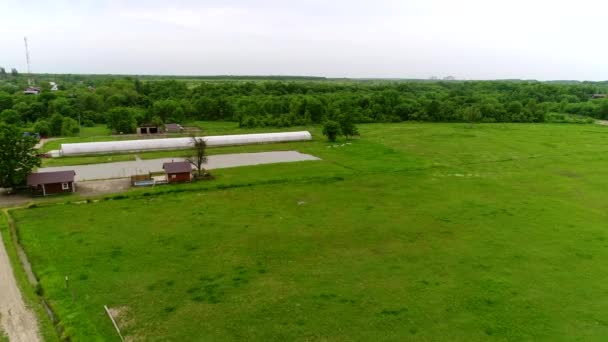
column 31, row 91
column 178, row 172
column 177, row 143
column 147, row 129
column 50, row 183
column 173, row 128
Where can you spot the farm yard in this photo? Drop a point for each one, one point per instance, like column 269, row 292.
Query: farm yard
column 413, row 231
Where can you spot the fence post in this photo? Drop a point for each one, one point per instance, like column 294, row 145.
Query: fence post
column 114, row 322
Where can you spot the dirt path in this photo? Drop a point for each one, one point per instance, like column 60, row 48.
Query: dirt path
column 602, row 122
column 41, row 143
column 18, row 323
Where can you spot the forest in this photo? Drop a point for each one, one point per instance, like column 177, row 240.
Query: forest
column 123, row 102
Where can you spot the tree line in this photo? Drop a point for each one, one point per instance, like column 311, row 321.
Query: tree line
column 125, row 102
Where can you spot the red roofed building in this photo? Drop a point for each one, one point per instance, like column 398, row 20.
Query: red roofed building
column 178, row 172
column 50, row 183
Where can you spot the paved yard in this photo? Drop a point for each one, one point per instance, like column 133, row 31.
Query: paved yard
column 129, row 168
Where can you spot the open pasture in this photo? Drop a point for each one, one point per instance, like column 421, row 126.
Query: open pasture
column 413, row 231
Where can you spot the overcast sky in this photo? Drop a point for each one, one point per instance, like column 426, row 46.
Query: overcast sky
column 468, row 39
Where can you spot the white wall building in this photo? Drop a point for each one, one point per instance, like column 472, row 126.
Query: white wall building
column 177, row 143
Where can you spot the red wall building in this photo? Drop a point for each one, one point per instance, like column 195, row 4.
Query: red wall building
column 50, row 183
column 178, row 172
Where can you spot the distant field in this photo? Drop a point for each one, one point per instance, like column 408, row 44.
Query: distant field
column 413, row 232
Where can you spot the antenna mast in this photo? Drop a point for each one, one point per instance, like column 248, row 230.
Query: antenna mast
column 27, row 58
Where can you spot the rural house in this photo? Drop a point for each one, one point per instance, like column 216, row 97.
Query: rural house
column 50, row 183
column 178, row 172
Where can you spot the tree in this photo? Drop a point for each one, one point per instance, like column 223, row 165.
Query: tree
column 314, row 109
column 2, row 72
column 122, row 119
column 199, row 154
column 6, row 101
column 168, row 110
column 14, row 72
column 17, row 156
column 10, row 116
column 69, row 127
column 471, row 115
column 331, row 130
column 43, row 128
column 602, row 110
column 63, row 106
column 56, row 124
column 347, row 126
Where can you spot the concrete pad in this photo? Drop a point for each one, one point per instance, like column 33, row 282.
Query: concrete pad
column 130, row 168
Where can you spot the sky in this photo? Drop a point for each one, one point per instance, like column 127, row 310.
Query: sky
column 466, row 39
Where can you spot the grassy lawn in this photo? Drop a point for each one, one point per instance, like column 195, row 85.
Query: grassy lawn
column 95, row 131
column 414, row 231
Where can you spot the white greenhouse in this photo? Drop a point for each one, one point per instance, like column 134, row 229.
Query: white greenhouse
column 178, row 143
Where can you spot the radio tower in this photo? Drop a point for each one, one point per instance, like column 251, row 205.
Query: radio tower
column 27, row 58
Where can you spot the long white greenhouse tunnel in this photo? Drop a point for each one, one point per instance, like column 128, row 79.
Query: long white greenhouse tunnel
column 177, row 143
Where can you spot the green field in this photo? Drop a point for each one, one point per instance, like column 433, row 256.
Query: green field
column 412, row 232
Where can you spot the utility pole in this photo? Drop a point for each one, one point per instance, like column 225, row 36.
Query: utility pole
column 27, row 58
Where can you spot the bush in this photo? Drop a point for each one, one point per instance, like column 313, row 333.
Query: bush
column 568, row 118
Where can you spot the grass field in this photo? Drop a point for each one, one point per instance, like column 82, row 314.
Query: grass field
column 414, row 231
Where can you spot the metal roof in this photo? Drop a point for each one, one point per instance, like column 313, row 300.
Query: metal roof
column 34, row 179
column 178, row 167
column 173, row 126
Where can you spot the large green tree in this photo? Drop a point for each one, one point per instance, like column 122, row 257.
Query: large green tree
column 168, row 110
column 10, row 116
column 17, row 156
column 331, row 130
column 123, row 119
column 56, row 124
column 347, row 126
column 6, row 101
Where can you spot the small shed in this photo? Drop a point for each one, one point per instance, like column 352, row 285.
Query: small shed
column 50, row 183
column 174, row 128
column 147, row 129
column 178, row 172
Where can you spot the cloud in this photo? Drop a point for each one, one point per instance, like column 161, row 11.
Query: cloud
column 382, row 38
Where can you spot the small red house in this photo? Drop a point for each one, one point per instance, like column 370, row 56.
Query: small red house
column 178, row 172
column 50, row 183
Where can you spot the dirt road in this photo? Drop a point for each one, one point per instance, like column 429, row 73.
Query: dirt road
column 602, row 122
column 18, row 323
column 43, row 141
